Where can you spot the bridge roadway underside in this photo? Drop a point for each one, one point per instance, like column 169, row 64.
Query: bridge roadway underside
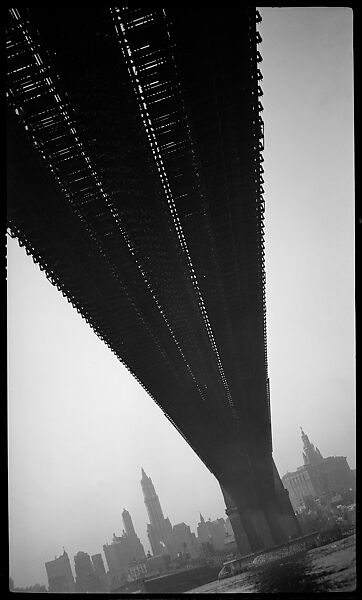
column 135, row 182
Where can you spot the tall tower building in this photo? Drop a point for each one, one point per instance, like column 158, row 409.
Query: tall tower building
column 124, row 550
column 213, row 532
column 159, row 530
column 100, row 572
column 128, row 524
column 327, row 478
column 60, row 576
column 84, row 571
column 311, row 455
column 130, row 536
column 98, row 565
column 184, row 541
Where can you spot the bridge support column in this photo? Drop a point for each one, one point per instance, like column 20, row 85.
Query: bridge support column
column 280, row 511
column 263, row 527
column 256, row 523
column 282, row 520
column 241, row 538
column 250, row 526
column 265, row 519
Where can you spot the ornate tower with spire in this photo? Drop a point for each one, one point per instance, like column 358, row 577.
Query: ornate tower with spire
column 311, row 455
column 159, row 529
column 319, row 477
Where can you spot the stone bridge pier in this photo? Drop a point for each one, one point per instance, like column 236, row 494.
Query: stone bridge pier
column 259, row 508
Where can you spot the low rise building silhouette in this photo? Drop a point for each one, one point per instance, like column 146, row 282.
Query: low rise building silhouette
column 137, row 570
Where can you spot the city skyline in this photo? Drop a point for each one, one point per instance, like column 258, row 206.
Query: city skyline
column 80, row 428
column 129, row 531
column 128, row 526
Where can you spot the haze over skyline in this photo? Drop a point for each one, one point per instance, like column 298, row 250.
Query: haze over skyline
column 81, row 428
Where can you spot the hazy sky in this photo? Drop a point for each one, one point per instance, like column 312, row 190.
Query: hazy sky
column 80, row 427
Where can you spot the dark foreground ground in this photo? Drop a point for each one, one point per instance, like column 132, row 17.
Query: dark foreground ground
column 330, row 568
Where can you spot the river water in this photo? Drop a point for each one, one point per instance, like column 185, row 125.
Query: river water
column 330, row 568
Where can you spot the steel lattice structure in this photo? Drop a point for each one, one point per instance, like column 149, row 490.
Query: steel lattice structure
column 136, row 183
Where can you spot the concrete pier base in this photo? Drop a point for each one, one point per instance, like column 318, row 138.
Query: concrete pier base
column 240, row 534
column 260, row 520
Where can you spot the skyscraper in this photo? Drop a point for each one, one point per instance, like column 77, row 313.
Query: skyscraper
column 159, row 529
column 100, row 572
column 98, row 565
column 318, row 477
column 184, row 541
column 311, row 455
column 127, row 522
column 132, row 539
column 86, row 580
column 124, row 550
column 60, row 576
column 213, row 532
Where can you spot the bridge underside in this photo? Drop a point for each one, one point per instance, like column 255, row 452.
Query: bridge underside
column 135, row 182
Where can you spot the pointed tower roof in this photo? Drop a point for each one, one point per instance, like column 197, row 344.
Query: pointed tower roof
column 319, row 452
column 311, row 456
column 147, row 486
column 305, row 439
column 128, row 524
column 202, row 520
